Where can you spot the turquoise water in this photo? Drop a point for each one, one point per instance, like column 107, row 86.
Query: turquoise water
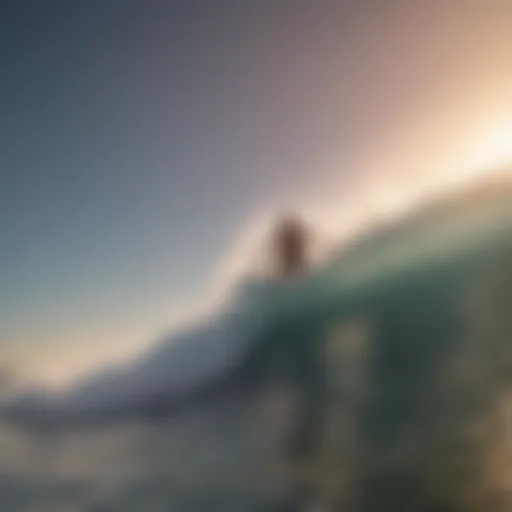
column 419, row 360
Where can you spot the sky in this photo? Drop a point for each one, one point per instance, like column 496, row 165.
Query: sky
column 142, row 141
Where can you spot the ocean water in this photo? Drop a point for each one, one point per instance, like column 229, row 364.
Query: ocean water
column 224, row 456
column 414, row 331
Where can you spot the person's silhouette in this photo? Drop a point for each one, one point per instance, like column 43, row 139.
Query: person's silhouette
column 291, row 252
column 290, row 246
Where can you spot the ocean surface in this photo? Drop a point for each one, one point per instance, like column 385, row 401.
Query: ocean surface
column 414, row 325
column 223, row 457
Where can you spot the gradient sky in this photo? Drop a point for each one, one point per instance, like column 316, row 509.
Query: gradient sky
column 139, row 137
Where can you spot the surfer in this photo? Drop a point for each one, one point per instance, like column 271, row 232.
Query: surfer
column 291, row 248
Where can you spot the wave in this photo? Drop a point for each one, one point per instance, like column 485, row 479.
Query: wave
column 174, row 368
column 195, row 361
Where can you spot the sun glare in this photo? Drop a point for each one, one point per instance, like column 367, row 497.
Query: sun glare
column 496, row 148
column 489, row 153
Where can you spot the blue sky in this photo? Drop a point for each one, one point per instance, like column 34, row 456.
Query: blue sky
column 138, row 137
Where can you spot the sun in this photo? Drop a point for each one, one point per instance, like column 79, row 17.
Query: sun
column 496, row 147
column 488, row 153
column 501, row 145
